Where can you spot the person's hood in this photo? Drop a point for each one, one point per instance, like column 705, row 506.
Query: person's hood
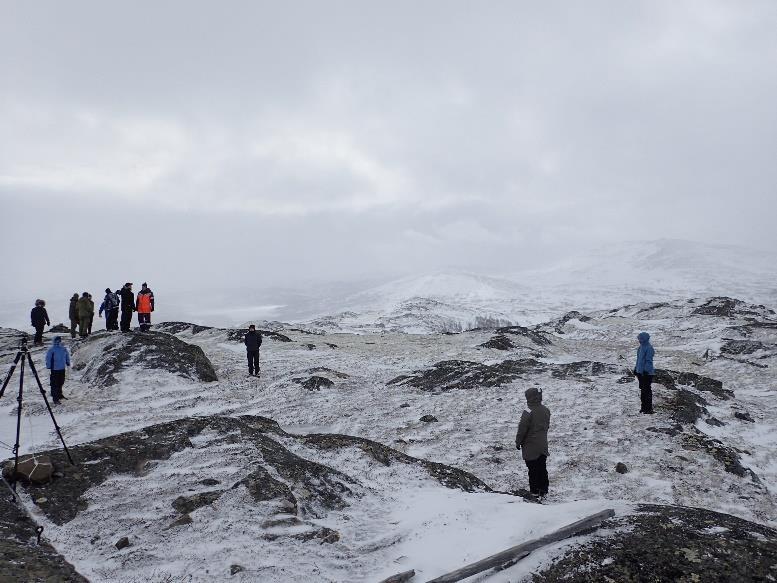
column 533, row 396
column 75, row 297
column 643, row 337
column 57, row 340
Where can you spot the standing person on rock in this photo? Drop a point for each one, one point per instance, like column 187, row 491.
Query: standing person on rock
column 144, row 307
column 85, row 314
column 253, row 340
column 91, row 315
column 39, row 318
column 110, row 306
column 57, row 359
column 73, row 315
column 532, row 440
column 644, row 372
column 127, row 306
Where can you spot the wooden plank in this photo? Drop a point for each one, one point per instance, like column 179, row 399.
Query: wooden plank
column 400, row 577
column 523, row 549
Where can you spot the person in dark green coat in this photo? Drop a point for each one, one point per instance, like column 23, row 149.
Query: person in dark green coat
column 73, row 314
column 85, row 314
column 532, row 440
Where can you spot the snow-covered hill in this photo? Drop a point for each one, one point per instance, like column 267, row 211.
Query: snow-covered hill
column 351, row 484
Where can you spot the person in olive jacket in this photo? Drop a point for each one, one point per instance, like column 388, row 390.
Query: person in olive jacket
column 39, row 318
column 532, row 440
column 73, row 315
column 85, row 314
column 253, row 340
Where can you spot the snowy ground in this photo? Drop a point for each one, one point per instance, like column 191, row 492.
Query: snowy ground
column 408, row 522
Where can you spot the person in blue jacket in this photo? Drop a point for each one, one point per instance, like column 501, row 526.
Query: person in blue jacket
column 57, row 359
column 644, row 371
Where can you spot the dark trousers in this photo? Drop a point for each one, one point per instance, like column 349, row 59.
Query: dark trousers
column 145, row 322
column 645, row 393
column 112, row 319
column 83, row 326
column 126, row 320
column 253, row 361
column 57, row 382
column 538, row 475
column 73, row 326
column 38, row 335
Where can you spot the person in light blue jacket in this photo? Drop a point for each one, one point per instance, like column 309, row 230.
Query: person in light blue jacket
column 57, row 360
column 644, row 371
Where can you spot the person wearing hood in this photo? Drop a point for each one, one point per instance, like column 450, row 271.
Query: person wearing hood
column 110, row 306
column 532, row 440
column 39, row 318
column 57, row 359
column 253, row 340
column 73, row 315
column 144, row 305
column 127, row 306
column 644, row 372
column 85, row 314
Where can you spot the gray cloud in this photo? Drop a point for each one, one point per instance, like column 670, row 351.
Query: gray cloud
column 255, row 141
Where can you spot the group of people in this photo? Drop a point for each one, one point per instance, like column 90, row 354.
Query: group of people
column 532, row 436
column 81, row 312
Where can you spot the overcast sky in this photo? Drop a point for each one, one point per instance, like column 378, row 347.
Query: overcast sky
column 231, row 143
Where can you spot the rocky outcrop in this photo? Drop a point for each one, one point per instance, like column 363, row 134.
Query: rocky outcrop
column 670, row 543
column 300, row 486
column 314, row 383
column 232, row 334
column 23, row 559
column 731, row 308
column 461, row 374
column 671, row 379
column 499, row 342
column 104, row 357
column 539, row 338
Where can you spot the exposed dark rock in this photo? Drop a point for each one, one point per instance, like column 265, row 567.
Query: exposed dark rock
column 310, row 346
column 314, row 383
column 462, row 374
column 327, row 371
column 180, row 521
column 742, row 346
column 671, row 378
column 145, row 350
column 715, row 422
column 448, row 476
column 330, row 345
column 122, row 543
column 404, row 405
column 210, row 482
column 539, row 338
column 744, row 416
column 730, row 308
column 671, row 431
column 21, row 558
column 235, row 569
column 725, row 455
column 621, row 468
column 499, row 342
column 670, row 543
column 187, row 504
column 262, row 486
column 573, row 315
column 429, row 419
column 686, row 406
column 59, row 329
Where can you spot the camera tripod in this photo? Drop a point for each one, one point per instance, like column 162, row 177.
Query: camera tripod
column 20, row 356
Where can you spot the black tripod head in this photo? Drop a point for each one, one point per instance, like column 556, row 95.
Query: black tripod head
column 23, row 344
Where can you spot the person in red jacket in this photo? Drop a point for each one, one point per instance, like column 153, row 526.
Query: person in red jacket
column 144, row 305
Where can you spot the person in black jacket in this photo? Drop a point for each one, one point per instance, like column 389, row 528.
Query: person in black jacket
column 127, row 306
column 253, row 341
column 39, row 318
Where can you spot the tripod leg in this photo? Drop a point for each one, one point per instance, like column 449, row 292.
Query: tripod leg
column 46, row 400
column 18, row 425
column 10, row 373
